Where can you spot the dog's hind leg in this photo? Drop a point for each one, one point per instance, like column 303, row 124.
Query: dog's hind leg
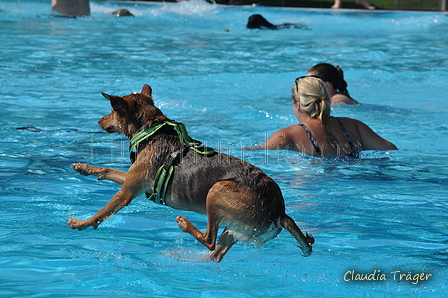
column 225, row 242
column 224, row 204
column 305, row 242
column 217, row 205
column 101, row 173
column 208, row 239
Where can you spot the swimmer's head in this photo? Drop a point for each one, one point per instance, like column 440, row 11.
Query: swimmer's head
column 312, row 95
column 331, row 74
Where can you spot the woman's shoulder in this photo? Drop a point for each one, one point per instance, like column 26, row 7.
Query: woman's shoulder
column 289, row 129
column 350, row 123
column 343, row 119
column 290, row 133
column 347, row 120
column 340, row 98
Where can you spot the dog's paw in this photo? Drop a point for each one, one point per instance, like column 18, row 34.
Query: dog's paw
column 79, row 224
column 183, row 223
column 83, row 169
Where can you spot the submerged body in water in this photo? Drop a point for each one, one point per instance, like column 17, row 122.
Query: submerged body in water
column 257, row 21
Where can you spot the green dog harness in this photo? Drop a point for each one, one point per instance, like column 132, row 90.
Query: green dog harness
column 165, row 172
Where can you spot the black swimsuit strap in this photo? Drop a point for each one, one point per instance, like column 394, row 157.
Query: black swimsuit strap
column 312, row 139
column 345, row 132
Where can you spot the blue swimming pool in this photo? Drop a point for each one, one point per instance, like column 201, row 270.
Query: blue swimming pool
column 384, row 218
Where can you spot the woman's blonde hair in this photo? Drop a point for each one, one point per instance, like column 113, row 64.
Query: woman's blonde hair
column 313, row 97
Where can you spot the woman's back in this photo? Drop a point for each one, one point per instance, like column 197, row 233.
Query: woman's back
column 348, row 137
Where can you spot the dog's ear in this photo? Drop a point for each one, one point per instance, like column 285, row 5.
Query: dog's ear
column 118, row 103
column 146, row 90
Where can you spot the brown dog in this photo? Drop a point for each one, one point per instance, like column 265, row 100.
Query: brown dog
column 228, row 190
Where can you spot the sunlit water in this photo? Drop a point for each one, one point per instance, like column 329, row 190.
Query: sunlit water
column 231, row 87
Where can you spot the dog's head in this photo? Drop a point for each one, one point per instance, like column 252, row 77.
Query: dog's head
column 131, row 113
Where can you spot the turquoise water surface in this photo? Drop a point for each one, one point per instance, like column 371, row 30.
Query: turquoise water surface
column 384, row 217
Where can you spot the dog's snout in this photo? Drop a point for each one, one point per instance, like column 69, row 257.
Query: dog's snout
column 106, row 123
column 110, row 129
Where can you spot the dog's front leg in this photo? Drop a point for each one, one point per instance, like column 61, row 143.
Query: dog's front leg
column 121, row 199
column 101, row 173
column 136, row 183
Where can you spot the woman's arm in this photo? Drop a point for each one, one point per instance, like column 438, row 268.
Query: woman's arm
column 278, row 140
column 371, row 140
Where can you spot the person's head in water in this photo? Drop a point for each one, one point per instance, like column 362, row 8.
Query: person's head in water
column 336, row 84
column 257, row 21
column 312, row 95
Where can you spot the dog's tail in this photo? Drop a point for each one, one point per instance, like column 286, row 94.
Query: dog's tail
column 305, row 242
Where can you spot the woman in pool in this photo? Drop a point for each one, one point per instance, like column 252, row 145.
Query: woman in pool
column 319, row 133
column 334, row 77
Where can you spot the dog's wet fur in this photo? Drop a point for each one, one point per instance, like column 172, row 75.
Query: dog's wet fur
column 228, row 190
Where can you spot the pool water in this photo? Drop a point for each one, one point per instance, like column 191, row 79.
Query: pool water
column 231, row 86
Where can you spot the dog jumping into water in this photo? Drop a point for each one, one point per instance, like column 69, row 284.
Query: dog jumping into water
column 177, row 171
